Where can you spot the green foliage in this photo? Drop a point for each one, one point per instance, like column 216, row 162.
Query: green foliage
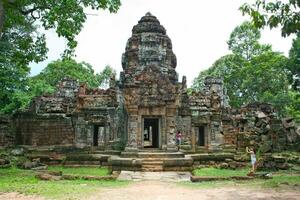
column 83, row 72
column 18, row 46
column 20, row 42
column 266, row 80
column 66, row 17
column 47, row 80
column 293, row 108
column 294, row 63
column 274, row 14
column 229, row 67
column 253, row 72
column 244, row 41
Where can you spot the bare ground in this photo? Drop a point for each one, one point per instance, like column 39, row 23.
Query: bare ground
column 171, row 191
column 17, row 196
column 150, row 190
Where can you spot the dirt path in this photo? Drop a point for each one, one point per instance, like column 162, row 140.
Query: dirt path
column 149, row 190
column 17, row 196
column 171, row 191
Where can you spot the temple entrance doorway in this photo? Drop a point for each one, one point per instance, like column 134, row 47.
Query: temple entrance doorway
column 96, row 136
column 151, row 133
column 201, row 136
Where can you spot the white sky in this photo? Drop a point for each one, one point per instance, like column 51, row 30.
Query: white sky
column 198, row 29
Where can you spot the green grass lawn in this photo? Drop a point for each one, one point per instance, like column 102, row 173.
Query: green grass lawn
column 24, row 181
column 81, row 170
column 286, row 177
column 220, row 172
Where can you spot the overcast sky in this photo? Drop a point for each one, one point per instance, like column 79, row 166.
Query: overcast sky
column 198, row 29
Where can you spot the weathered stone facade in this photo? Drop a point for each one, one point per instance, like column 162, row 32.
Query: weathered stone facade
column 6, row 133
column 146, row 108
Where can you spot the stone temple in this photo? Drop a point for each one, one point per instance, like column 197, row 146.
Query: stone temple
column 143, row 111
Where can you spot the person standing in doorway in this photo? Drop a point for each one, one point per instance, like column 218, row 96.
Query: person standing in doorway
column 178, row 138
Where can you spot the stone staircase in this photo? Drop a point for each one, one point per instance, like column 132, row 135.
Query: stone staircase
column 152, row 165
column 151, row 161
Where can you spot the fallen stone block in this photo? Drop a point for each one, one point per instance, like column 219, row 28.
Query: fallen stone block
column 288, row 122
column 53, row 173
column 44, row 167
column 48, row 177
column 17, row 152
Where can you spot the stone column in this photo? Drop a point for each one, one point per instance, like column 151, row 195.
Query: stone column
column 171, row 133
column 216, row 138
column 132, row 133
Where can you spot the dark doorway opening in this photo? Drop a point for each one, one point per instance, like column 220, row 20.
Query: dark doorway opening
column 96, row 135
column 151, row 133
column 201, row 136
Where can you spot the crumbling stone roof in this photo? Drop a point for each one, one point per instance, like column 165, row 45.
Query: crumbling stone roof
column 148, row 24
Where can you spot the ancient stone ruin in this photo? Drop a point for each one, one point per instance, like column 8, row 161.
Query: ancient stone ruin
column 143, row 111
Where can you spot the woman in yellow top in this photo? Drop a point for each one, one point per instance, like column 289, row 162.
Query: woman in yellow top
column 251, row 151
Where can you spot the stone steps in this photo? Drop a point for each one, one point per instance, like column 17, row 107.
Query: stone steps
column 81, row 165
column 151, row 161
column 152, row 164
column 160, row 155
column 152, row 168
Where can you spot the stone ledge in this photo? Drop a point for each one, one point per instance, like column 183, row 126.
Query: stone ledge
column 49, row 175
column 216, row 178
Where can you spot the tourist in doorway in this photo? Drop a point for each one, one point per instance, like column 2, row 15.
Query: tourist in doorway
column 251, row 151
column 178, row 138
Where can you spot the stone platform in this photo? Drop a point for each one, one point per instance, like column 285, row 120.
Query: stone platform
column 151, row 161
column 155, row 176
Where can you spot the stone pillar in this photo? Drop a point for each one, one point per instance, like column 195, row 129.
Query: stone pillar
column 171, row 133
column 216, row 138
column 132, row 133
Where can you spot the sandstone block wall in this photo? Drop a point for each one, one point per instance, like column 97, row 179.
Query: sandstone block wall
column 43, row 130
column 6, row 135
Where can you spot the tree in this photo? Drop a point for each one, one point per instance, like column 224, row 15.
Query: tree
column 293, row 108
column 16, row 51
column 244, row 41
column 265, row 79
column 66, row 17
column 83, row 72
column 294, row 63
column 274, row 14
column 21, row 43
column 253, row 72
column 229, row 67
column 47, row 80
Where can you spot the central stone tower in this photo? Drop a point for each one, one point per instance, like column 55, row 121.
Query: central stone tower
column 149, row 46
column 150, row 86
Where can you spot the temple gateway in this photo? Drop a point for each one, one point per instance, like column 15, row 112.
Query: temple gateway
column 144, row 110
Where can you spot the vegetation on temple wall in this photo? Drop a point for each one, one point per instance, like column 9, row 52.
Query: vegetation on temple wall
column 254, row 72
column 47, row 80
column 284, row 14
